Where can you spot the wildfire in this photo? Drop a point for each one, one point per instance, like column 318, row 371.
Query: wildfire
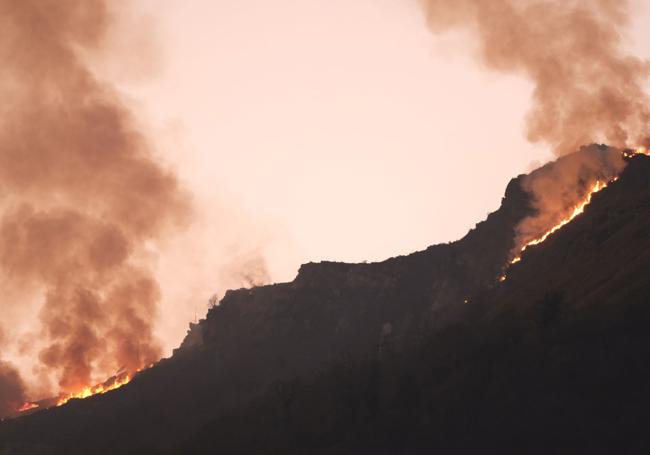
column 638, row 151
column 577, row 210
column 113, row 383
column 27, row 406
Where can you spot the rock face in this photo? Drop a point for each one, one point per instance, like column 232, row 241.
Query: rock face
column 333, row 307
column 260, row 340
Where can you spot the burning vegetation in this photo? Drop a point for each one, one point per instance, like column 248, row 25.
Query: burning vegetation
column 83, row 200
column 28, row 407
column 577, row 210
column 86, row 195
column 567, row 215
column 114, row 382
column 586, row 88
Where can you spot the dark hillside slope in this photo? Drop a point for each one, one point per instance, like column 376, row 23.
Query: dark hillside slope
column 315, row 342
column 555, row 360
column 256, row 338
column 601, row 256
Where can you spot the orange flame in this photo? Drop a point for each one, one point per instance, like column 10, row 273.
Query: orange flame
column 114, row 383
column 27, row 406
column 577, row 210
column 638, row 151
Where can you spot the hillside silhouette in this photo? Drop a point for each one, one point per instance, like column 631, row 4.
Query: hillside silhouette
column 422, row 353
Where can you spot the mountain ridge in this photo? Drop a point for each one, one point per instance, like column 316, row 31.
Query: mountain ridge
column 256, row 341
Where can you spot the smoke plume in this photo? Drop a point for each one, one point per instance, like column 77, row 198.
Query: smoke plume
column 83, row 197
column 586, row 88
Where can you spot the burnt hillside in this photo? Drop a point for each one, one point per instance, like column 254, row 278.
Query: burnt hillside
column 353, row 356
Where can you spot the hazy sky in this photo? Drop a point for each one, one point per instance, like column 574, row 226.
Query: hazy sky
column 306, row 130
column 342, row 128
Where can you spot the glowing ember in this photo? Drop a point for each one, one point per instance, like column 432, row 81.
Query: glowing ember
column 27, row 406
column 638, row 151
column 114, row 383
column 577, row 210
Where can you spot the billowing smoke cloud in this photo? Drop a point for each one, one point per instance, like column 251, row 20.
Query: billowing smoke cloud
column 83, row 198
column 586, row 88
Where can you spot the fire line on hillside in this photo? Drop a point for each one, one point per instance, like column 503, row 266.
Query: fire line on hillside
column 122, row 378
column 115, row 382
column 579, row 208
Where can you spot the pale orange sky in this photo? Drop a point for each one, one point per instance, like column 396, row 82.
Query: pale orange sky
column 307, row 130
column 327, row 129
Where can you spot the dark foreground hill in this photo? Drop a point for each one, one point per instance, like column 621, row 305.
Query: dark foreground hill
column 388, row 357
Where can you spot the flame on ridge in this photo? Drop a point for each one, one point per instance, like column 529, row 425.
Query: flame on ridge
column 113, row 383
column 124, row 378
column 27, row 406
column 638, row 151
column 577, row 210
